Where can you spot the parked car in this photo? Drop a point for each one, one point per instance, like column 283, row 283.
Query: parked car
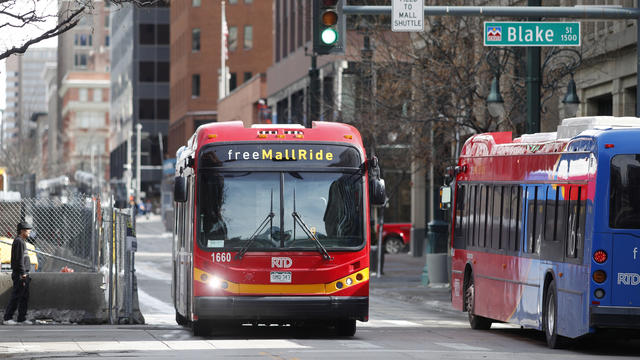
column 396, row 237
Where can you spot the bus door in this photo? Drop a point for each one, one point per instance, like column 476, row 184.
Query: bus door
column 624, row 221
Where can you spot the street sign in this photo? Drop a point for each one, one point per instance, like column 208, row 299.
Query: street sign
column 407, row 15
column 531, row 33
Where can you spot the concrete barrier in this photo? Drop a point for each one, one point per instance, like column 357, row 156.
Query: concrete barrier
column 66, row 297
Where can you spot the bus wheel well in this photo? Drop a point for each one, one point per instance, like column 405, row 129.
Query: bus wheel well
column 465, row 284
column 548, row 278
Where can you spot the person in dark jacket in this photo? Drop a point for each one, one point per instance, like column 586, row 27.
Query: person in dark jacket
column 20, row 265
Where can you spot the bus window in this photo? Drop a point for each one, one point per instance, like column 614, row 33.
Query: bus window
column 482, row 221
column 459, row 210
column 496, row 217
column 550, row 233
column 576, row 222
column 473, row 211
column 624, row 198
column 506, row 218
column 532, row 193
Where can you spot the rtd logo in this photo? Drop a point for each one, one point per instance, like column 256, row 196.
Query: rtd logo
column 628, row 279
column 281, row 262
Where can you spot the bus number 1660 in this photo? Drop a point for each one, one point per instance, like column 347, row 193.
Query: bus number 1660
column 221, row 257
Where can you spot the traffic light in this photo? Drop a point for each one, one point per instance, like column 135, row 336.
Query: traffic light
column 329, row 28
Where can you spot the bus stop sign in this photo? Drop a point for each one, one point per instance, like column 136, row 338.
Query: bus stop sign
column 531, row 33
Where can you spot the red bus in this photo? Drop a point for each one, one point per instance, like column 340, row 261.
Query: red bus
column 545, row 229
column 272, row 226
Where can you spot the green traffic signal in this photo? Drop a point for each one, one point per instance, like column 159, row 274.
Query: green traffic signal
column 329, row 36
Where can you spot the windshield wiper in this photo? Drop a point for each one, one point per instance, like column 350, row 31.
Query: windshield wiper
column 263, row 224
column 296, row 218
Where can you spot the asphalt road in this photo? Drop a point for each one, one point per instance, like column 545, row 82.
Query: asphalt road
column 408, row 321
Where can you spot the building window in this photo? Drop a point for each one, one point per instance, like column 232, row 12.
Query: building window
column 80, row 61
column 248, row 1
column 82, row 40
column 195, row 39
column 247, row 76
column 233, row 38
column 163, row 34
column 89, row 119
column 97, row 95
column 162, row 109
column 162, row 71
column 146, row 71
column 106, row 21
column 233, row 2
column 83, row 94
column 147, row 34
column 195, row 85
column 106, row 40
column 146, row 109
column 248, row 37
column 233, row 81
column 195, row 3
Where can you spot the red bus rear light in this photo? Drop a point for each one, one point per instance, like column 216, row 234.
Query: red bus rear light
column 600, row 256
column 608, row 146
column 599, row 276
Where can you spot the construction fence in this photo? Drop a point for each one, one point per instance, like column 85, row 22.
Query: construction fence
column 76, row 232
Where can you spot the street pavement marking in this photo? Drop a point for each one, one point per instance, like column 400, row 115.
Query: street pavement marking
column 358, row 344
column 153, row 305
column 153, row 254
column 151, row 271
column 102, row 346
column 462, row 347
column 160, row 319
column 375, row 323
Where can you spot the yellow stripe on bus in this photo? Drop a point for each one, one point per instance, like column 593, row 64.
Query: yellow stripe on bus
column 311, row 289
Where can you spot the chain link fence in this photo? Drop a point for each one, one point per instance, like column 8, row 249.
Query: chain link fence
column 65, row 228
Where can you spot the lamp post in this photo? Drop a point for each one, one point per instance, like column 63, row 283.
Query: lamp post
column 495, row 103
column 571, row 100
column 570, row 60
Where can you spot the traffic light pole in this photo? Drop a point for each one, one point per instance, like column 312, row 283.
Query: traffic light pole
column 532, row 82
column 575, row 12
column 314, row 91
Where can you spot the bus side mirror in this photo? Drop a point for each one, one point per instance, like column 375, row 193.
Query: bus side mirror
column 180, row 189
column 445, row 197
column 377, row 192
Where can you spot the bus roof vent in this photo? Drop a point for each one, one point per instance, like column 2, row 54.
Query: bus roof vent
column 267, row 132
column 293, row 132
column 574, row 126
column 536, row 138
column 276, row 126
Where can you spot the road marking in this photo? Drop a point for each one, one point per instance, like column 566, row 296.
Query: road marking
column 153, row 254
column 357, row 344
column 376, row 323
column 147, row 270
column 160, row 319
column 462, row 347
column 153, row 305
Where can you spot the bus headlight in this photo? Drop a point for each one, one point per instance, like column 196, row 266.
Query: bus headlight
column 599, row 293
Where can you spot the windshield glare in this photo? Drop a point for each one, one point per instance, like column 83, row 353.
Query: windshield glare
column 233, row 205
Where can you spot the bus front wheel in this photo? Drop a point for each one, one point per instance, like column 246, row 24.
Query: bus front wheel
column 201, row 328
column 550, row 319
column 345, row 327
column 476, row 322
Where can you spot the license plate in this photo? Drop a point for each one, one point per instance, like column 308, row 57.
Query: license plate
column 280, row 276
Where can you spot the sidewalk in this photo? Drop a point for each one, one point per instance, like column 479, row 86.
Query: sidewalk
column 402, row 280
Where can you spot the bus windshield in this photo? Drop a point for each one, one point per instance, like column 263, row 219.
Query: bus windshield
column 238, row 207
column 624, row 199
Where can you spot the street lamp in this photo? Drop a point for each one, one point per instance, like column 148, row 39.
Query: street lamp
column 571, row 100
column 495, row 103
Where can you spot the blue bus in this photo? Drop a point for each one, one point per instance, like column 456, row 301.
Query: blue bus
column 546, row 229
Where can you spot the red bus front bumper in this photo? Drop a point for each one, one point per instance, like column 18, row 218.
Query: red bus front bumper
column 282, row 307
